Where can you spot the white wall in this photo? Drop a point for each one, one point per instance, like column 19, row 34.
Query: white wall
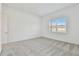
column 21, row 25
column 0, row 27
column 72, row 35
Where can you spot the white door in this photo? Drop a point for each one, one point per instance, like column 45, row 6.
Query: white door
column 4, row 27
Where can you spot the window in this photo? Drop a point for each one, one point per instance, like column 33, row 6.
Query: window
column 58, row 25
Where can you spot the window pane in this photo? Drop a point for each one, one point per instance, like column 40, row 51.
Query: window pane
column 50, row 25
column 53, row 25
column 61, row 24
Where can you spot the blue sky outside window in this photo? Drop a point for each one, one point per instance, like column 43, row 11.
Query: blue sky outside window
column 59, row 24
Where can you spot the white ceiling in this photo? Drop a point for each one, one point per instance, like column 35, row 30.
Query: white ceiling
column 40, row 9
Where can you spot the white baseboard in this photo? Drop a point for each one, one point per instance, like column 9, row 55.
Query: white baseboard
column 31, row 37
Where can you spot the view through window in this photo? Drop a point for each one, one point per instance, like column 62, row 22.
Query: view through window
column 58, row 25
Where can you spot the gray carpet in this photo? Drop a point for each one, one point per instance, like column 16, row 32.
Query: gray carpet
column 40, row 47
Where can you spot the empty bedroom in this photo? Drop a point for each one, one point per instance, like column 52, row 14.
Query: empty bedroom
column 39, row 29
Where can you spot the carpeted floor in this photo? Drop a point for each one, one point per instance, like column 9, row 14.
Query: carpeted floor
column 40, row 47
